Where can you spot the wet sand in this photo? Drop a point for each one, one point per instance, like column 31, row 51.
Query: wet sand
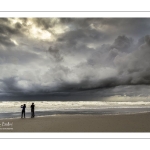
column 79, row 123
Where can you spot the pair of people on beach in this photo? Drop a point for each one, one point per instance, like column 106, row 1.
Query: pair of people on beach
column 23, row 110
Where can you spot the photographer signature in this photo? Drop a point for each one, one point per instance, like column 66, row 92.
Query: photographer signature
column 6, row 124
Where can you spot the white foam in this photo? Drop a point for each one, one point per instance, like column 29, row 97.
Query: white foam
column 14, row 106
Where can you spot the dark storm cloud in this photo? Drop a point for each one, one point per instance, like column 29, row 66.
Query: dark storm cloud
column 55, row 53
column 108, row 26
column 10, row 84
column 6, row 30
column 82, row 54
column 5, row 41
column 133, row 68
column 82, row 35
column 123, row 43
column 15, row 56
column 45, row 22
column 136, row 64
column 105, row 54
column 131, row 26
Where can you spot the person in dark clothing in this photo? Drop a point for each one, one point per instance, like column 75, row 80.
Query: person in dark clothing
column 32, row 110
column 23, row 110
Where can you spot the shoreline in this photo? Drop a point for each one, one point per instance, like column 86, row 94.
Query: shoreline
column 139, row 122
column 131, row 113
column 102, row 111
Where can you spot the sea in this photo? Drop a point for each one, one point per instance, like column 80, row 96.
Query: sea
column 12, row 109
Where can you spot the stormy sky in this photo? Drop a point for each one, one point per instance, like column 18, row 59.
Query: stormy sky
column 74, row 58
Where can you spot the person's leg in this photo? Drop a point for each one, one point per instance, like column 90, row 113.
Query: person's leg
column 21, row 114
column 33, row 113
column 24, row 114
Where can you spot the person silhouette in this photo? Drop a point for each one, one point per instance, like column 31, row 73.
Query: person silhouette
column 23, row 110
column 32, row 110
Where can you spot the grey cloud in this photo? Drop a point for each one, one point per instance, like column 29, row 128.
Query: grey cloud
column 106, row 53
column 4, row 20
column 133, row 69
column 88, row 81
column 82, row 35
column 9, row 84
column 4, row 29
column 147, row 39
column 18, row 25
column 53, row 51
column 116, row 26
column 13, row 55
column 46, row 23
column 131, row 26
column 136, row 64
column 99, row 54
column 5, row 41
column 123, row 43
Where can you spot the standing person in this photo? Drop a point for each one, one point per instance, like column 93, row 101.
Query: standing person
column 32, row 110
column 23, row 110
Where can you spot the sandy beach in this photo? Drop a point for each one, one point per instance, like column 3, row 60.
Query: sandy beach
column 79, row 123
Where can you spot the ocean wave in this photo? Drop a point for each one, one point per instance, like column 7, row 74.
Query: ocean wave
column 14, row 106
